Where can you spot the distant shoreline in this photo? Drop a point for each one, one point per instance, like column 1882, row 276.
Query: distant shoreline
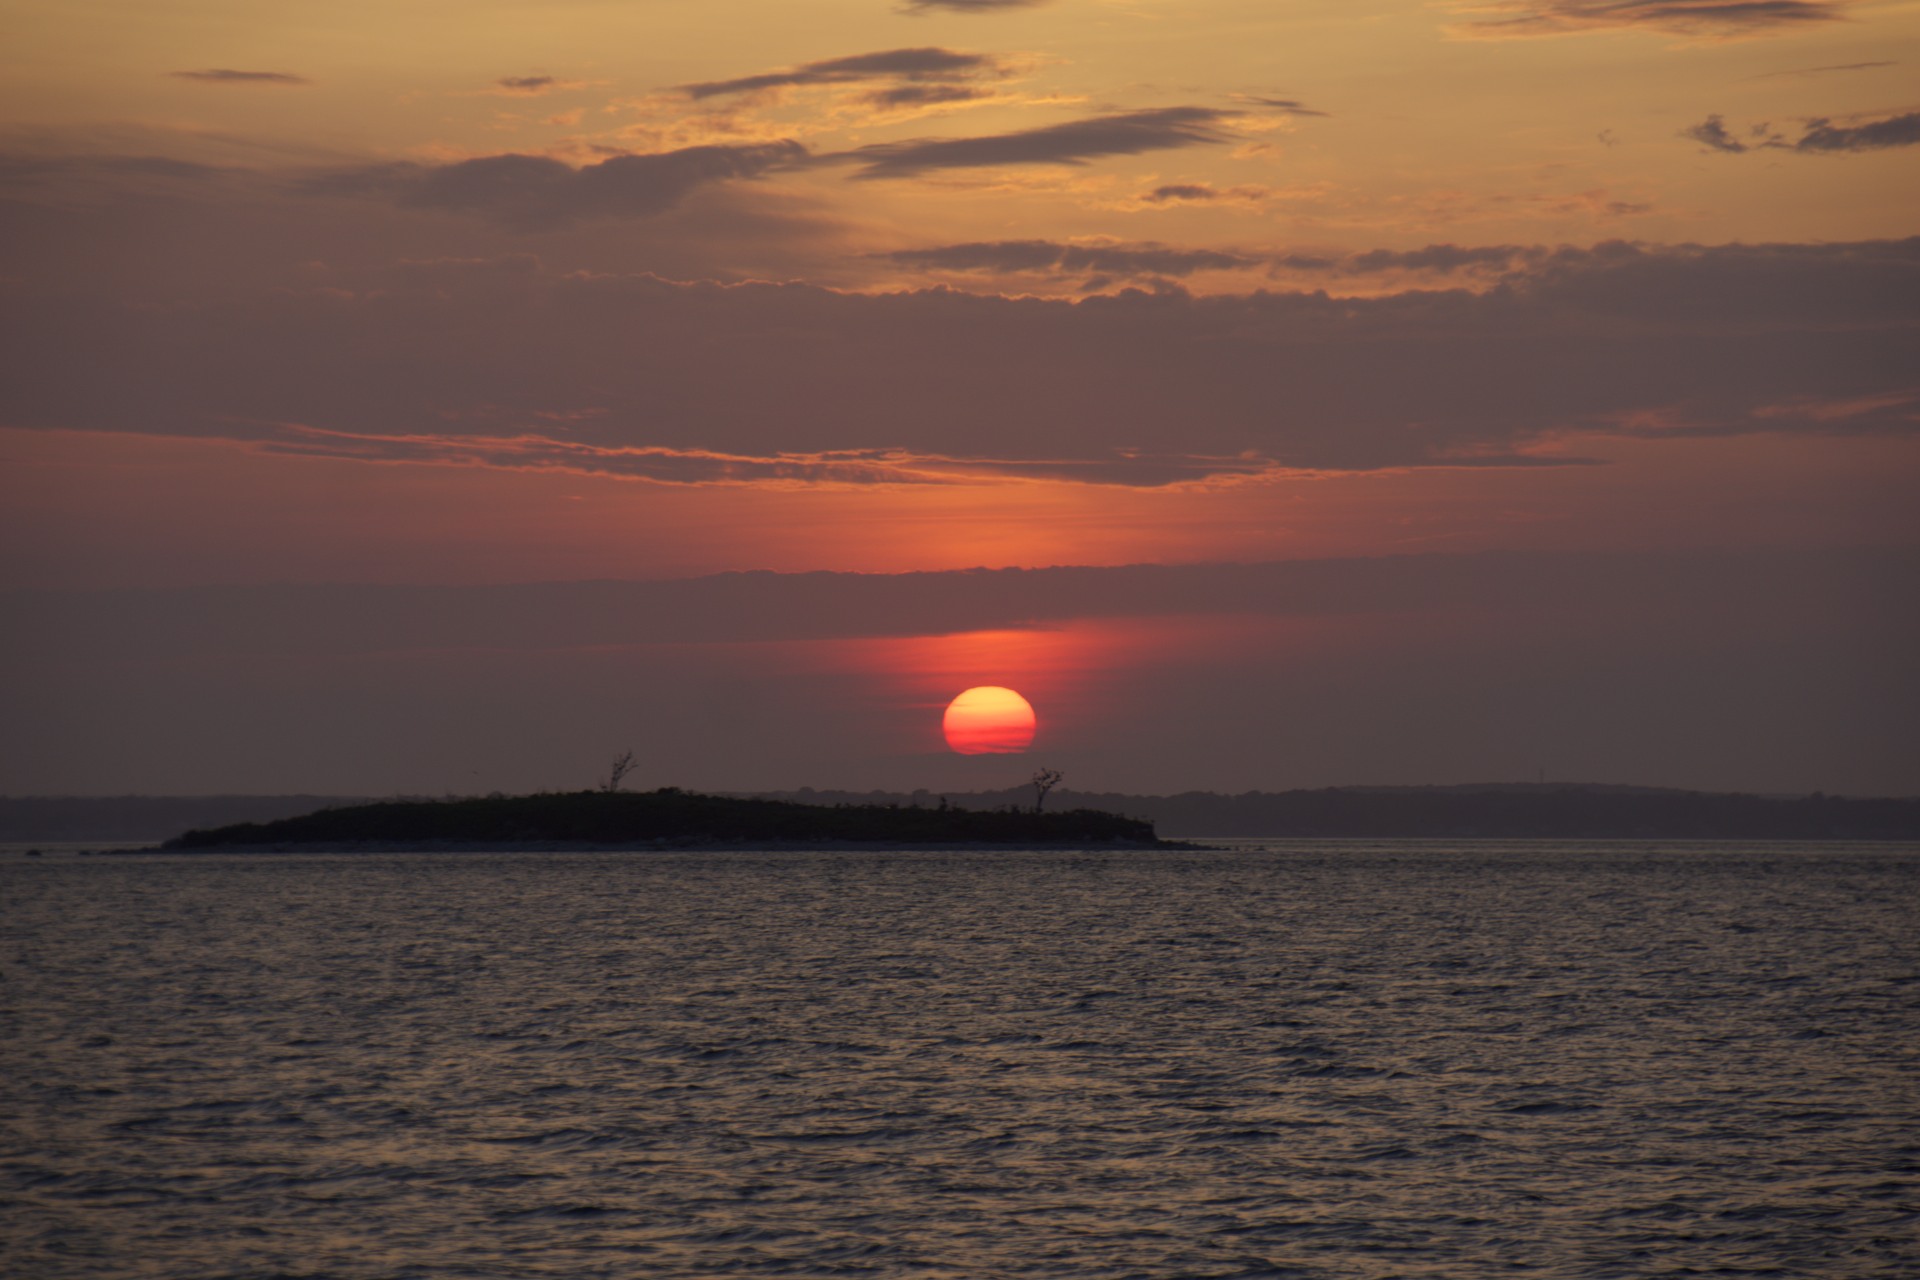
column 1205, row 844
column 684, row 846
column 1528, row 811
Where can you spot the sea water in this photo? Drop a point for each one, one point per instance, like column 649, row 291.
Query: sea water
column 1326, row 1059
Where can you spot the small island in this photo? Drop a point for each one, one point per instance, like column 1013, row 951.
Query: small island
column 667, row 818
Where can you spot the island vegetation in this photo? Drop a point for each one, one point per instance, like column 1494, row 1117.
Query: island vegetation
column 669, row 817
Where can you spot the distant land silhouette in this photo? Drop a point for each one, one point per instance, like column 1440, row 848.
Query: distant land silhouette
column 669, row 817
column 1545, row 811
column 1539, row 811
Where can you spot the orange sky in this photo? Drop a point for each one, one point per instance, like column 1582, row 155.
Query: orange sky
column 237, row 158
column 426, row 293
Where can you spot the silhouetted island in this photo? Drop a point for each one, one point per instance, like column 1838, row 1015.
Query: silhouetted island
column 1562, row 811
column 668, row 817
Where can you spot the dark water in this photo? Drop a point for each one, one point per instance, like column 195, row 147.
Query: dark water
column 1331, row 1060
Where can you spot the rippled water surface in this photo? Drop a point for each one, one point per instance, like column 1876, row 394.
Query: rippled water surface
column 1324, row 1060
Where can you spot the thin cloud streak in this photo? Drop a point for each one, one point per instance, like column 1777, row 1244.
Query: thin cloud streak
column 1046, row 255
column 1816, row 71
column 1149, row 259
column 922, row 64
column 925, row 95
column 1705, row 18
column 534, row 86
column 1073, row 143
column 968, row 6
column 1283, row 106
column 703, row 467
column 225, row 75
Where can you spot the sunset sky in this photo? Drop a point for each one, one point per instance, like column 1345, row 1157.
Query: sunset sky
column 413, row 396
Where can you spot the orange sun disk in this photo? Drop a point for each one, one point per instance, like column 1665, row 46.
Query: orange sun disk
column 989, row 720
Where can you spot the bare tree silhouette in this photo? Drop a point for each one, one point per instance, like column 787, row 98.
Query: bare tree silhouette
column 622, row 766
column 1043, row 782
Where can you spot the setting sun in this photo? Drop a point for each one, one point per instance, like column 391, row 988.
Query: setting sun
column 989, row 720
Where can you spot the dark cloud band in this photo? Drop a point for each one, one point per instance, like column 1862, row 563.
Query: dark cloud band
column 1817, row 136
column 1076, row 142
column 537, row 192
column 648, row 373
column 924, row 64
column 1685, row 17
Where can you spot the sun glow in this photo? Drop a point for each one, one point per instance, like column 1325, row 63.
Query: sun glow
column 989, row 720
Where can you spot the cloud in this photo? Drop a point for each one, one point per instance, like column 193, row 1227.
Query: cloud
column 1150, row 259
column 1714, row 134
column 1050, row 256
column 661, row 465
column 968, row 6
column 1818, row 135
column 1076, row 142
column 223, row 75
column 1181, row 191
column 1708, row 18
column 534, row 86
column 913, row 65
column 539, row 192
column 31, row 168
column 1895, row 131
column 1434, row 257
column 706, row 467
column 1284, row 106
column 925, row 95
column 1815, row 71
column 774, row 379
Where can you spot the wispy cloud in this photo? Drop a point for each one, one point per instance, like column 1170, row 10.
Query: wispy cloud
column 28, row 168
column 1722, row 19
column 1713, row 134
column 538, row 192
column 1181, row 191
column 533, row 86
column 707, row 467
column 226, row 75
column 1075, row 142
column 1439, row 258
column 968, row 6
column 1283, row 106
column 1177, row 193
column 925, row 95
column 1818, row 135
column 921, row 66
column 1874, row 135
column 1148, row 259
column 1050, row 256
column 1827, row 70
